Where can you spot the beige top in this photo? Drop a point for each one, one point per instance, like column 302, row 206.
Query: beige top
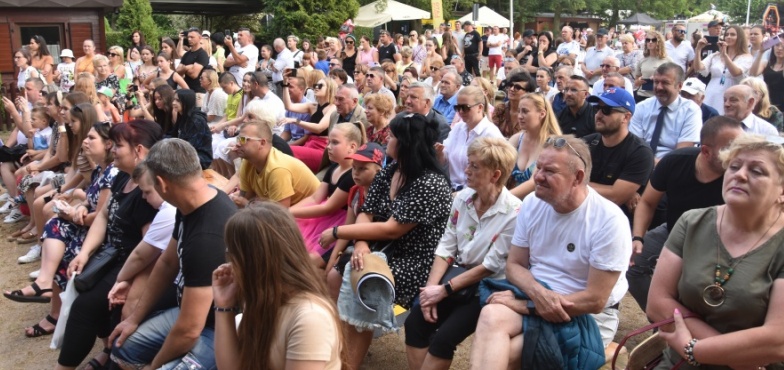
column 308, row 331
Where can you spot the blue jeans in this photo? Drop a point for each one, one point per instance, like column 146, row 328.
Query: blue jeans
column 142, row 346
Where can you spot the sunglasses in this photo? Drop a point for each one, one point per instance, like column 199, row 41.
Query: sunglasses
column 370, row 75
column 350, row 42
column 608, row 110
column 242, row 140
column 334, row 65
column 517, row 87
column 465, row 107
column 651, row 40
column 112, row 54
column 560, row 142
column 318, row 86
column 682, row 32
column 433, row 69
column 412, row 35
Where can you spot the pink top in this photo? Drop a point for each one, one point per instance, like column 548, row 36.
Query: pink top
column 366, row 57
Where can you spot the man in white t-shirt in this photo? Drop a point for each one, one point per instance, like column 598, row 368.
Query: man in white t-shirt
column 459, row 35
column 495, row 52
column 568, row 237
column 594, row 56
column 569, row 46
column 679, row 51
column 242, row 59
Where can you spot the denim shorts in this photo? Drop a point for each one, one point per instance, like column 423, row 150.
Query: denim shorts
column 141, row 347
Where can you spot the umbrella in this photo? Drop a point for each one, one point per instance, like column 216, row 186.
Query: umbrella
column 369, row 16
column 641, row 19
column 487, row 18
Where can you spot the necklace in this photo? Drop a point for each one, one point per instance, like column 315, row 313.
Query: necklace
column 714, row 294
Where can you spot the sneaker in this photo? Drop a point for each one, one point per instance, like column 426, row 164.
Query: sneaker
column 7, row 207
column 15, row 216
column 34, row 254
column 34, row 275
column 5, row 197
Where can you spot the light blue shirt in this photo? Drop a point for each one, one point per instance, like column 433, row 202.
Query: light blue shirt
column 755, row 125
column 682, row 123
column 446, row 107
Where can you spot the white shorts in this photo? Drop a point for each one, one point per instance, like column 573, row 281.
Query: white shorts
column 607, row 321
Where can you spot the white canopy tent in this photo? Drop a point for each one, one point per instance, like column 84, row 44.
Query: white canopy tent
column 369, row 16
column 487, row 18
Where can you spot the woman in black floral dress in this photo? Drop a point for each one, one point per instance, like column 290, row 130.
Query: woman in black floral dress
column 408, row 204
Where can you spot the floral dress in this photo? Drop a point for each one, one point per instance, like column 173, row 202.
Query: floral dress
column 424, row 201
column 71, row 234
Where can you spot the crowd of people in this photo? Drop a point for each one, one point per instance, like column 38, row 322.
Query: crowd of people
column 219, row 205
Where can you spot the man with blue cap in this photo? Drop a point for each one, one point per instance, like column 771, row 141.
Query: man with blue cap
column 622, row 162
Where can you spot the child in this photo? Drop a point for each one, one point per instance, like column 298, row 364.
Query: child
column 65, row 71
column 326, row 208
column 367, row 162
column 323, row 63
column 38, row 138
column 105, row 95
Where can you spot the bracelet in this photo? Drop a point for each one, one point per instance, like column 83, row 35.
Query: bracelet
column 638, row 239
column 335, row 232
column 688, row 350
column 227, row 309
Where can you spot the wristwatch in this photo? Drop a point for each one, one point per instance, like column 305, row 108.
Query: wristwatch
column 638, row 239
column 529, row 304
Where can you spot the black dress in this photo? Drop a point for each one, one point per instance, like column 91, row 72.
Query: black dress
column 775, row 82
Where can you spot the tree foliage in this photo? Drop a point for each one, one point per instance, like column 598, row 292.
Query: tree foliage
column 307, row 18
column 137, row 15
column 736, row 9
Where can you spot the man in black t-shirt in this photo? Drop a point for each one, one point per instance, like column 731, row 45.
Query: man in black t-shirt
column 691, row 178
column 184, row 334
column 387, row 49
column 622, row 162
column 578, row 117
column 472, row 48
column 193, row 62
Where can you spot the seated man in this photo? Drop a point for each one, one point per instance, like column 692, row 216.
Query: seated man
column 569, row 237
column 268, row 174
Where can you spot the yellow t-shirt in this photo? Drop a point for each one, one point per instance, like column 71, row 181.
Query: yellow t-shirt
column 283, row 176
column 233, row 105
column 307, row 331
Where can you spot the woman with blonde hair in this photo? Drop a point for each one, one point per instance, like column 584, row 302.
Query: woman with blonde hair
column 489, row 90
column 116, row 61
column 433, row 72
column 406, row 53
column 405, row 82
column 85, row 83
column 311, row 79
column 763, row 108
column 537, row 122
column 312, row 151
column 379, row 108
column 288, row 318
column 360, row 74
column 655, row 54
column 214, row 100
column 727, row 67
column 432, row 56
column 629, row 57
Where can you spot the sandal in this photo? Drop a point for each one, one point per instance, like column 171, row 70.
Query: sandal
column 16, row 234
column 38, row 331
column 18, row 296
column 28, row 237
column 96, row 365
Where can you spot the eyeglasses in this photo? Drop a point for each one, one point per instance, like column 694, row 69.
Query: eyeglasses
column 465, row 107
column 242, row 140
column 607, row 66
column 560, row 142
column 608, row 110
column 651, row 40
column 318, row 86
column 517, row 87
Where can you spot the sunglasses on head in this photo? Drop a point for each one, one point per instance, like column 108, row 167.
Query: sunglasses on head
column 465, row 107
column 318, row 86
column 244, row 139
column 651, row 40
column 560, row 142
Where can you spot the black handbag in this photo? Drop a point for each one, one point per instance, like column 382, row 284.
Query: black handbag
column 459, row 296
column 97, row 266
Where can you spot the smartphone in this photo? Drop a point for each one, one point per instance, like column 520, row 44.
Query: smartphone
column 227, row 32
column 290, row 72
column 771, row 42
column 712, row 40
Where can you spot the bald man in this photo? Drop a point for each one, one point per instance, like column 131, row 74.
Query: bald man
column 739, row 102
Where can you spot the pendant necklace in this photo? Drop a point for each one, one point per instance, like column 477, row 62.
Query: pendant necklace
column 714, row 294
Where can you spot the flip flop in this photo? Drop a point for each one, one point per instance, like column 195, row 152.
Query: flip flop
column 95, row 365
column 38, row 331
column 18, row 296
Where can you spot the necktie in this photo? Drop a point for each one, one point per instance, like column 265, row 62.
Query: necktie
column 658, row 129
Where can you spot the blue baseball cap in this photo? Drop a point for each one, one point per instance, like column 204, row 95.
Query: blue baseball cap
column 615, row 97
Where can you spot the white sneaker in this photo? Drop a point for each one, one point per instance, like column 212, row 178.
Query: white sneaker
column 5, row 197
column 34, row 254
column 7, row 207
column 15, row 216
column 34, row 275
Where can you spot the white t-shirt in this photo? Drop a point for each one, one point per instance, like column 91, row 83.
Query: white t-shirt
column 682, row 55
column 252, row 53
column 216, row 104
column 459, row 36
column 563, row 247
column 160, row 231
column 495, row 50
column 572, row 47
column 66, row 76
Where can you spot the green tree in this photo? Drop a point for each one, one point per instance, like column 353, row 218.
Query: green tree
column 736, row 9
column 137, row 15
column 307, row 18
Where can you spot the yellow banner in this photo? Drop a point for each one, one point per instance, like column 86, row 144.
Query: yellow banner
column 437, row 12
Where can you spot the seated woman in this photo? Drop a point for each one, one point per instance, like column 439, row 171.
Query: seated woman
column 299, row 328
column 537, row 122
column 191, row 125
column 725, row 264
column 320, row 111
column 378, row 108
column 121, row 223
column 477, row 238
column 505, row 115
column 408, row 205
column 326, row 208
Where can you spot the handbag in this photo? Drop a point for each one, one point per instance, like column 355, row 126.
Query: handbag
column 648, row 354
column 459, row 296
column 99, row 264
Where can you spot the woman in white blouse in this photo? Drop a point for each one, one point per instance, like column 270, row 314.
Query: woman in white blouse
column 727, row 67
column 477, row 238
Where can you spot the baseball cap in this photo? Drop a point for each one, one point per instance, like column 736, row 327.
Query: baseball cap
column 205, row 33
column 529, row 32
column 693, row 86
column 66, row 53
column 106, row 91
column 615, row 97
column 715, row 23
column 602, row 32
column 370, row 152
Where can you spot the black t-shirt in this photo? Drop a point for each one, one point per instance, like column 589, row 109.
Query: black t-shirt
column 631, row 160
column 280, row 144
column 345, row 182
column 387, row 52
column 471, row 42
column 485, row 49
column 192, row 57
column 581, row 125
column 675, row 175
column 200, row 245
column 128, row 213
